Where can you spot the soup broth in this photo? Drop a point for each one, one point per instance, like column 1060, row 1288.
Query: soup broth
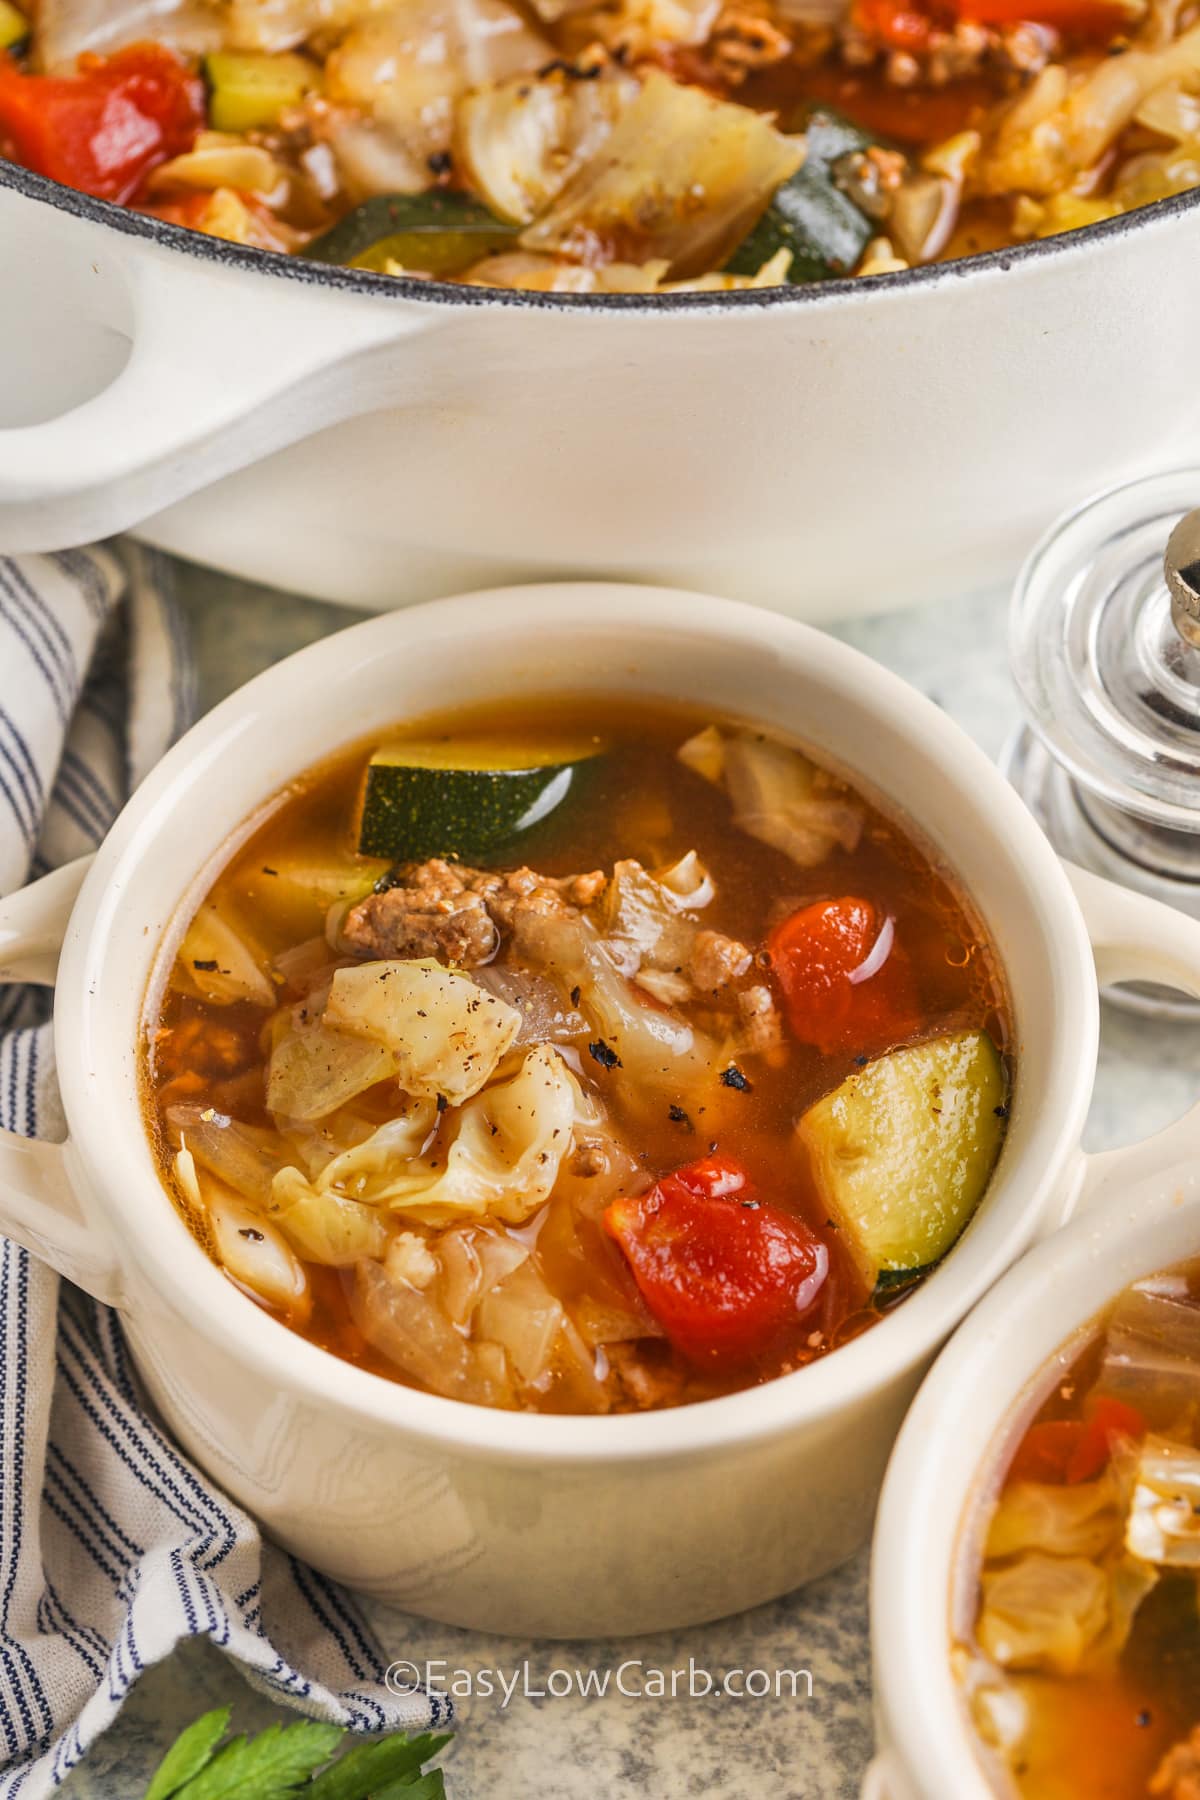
column 640, row 1060
column 1084, row 1668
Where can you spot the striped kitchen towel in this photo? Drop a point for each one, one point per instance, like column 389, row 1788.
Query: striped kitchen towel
column 113, row 1547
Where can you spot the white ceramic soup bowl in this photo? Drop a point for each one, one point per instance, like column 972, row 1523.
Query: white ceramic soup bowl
column 1139, row 1212
column 524, row 1523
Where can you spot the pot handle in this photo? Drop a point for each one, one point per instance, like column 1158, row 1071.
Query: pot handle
column 222, row 369
column 39, row 1207
column 1135, row 938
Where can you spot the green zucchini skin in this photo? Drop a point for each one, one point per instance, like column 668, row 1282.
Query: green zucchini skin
column 809, row 215
column 903, row 1150
column 442, row 232
column 411, row 812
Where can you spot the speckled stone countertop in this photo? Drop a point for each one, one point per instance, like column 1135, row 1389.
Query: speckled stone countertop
column 718, row 1748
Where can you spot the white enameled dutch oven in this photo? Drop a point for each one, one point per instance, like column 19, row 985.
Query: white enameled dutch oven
column 560, row 1526
column 1139, row 1212
column 821, row 449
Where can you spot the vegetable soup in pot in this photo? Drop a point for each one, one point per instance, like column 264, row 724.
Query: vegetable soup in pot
column 601, row 146
column 1082, row 1670
column 580, row 1057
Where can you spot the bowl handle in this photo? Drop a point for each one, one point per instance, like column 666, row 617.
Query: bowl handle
column 1135, row 938
column 220, row 368
column 39, row 1207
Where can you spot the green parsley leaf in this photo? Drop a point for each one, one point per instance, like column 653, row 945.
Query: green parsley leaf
column 372, row 1769
column 430, row 1786
column 191, row 1752
column 276, row 1765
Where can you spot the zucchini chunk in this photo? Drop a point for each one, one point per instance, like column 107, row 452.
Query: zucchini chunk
column 463, row 799
column 810, row 215
column 902, row 1151
column 440, row 233
column 250, row 89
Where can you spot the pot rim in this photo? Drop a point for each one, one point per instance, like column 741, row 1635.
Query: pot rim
column 180, row 239
column 94, row 1088
column 918, row 1566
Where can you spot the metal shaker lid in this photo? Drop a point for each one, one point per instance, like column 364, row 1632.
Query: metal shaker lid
column 1106, row 654
column 1105, row 645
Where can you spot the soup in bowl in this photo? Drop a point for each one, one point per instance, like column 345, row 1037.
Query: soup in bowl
column 586, row 1057
column 1045, row 1486
column 1082, row 1664
column 515, row 1516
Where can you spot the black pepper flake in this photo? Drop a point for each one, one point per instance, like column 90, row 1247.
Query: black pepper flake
column 733, row 1078
column 248, row 1231
column 1001, row 1112
column 572, row 71
column 604, row 1054
column 712, row 1146
column 440, row 163
column 442, row 1103
column 860, row 1062
column 1144, row 1717
column 576, row 995
column 678, row 1116
column 267, row 871
column 209, row 965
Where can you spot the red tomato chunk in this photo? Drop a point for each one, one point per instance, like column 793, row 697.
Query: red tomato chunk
column 822, row 958
column 1062, row 1452
column 104, row 129
column 722, row 1271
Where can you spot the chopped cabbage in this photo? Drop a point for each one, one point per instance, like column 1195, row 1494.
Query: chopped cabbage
column 447, row 1034
column 217, row 961
column 523, row 1315
column 504, row 1156
column 68, row 28
column 682, row 177
column 642, row 921
column 1063, row 124
column 521, row 140
column 314, row 1069
column 1085, row 1519
column 545, row 1019
column 407, row 67
column 409, row 1329
column 365, row 1169
column 778, row 794
column 1043, row 1612
column 325, row 1226
column 658, row 1050
column 1164, row 1516
column 472, row 1261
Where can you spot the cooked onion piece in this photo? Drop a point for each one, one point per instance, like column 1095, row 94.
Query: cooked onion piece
column 682, row 177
